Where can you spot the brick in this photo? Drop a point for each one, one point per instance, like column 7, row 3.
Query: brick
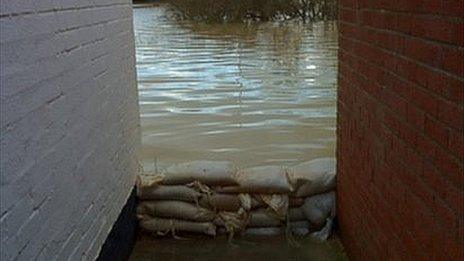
column 416, row 117
column 456, row 143
column 347, row 15
column 453, row 8
column 423, row 51
column 69, row 121
column 437, row 131
column 454, row 90
column 454, row 60
column 402, row 116
column 452, row 115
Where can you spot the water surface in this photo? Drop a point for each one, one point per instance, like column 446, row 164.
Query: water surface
column 244, row 248
column 255, row 94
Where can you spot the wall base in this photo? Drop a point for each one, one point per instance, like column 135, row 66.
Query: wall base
column 119, row 243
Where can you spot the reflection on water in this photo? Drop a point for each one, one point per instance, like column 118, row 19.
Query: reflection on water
column 255, row 94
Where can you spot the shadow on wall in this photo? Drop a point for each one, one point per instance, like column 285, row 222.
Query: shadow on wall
column 120, row 242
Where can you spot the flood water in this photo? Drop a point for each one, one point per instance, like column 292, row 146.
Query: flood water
column 255, row 94
column 246, row 249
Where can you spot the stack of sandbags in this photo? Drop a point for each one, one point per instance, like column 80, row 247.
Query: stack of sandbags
column 209, row 197
column 315, row 182
column 170, row 201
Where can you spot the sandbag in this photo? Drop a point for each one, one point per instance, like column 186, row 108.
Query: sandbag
column 221, row 231
column 176, row 210
column 295, row 202
column 313, row 177
column 297, row 228
column 211, row 173
column 263, row 218
column 325, row 232
column 300, row 228
column 264, row 231
column 227, row 202
column 146, row 181
column 164, row 226
column 232, row 221
column 262, row 180
column 247, row 202
column 296, row 214
column 166, row 192
column 319, row 207
column 276, row 202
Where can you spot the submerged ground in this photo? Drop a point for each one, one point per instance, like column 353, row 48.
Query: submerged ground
column 243, row 249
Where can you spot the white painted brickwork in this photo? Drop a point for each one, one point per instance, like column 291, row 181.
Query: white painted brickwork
column 69, row 125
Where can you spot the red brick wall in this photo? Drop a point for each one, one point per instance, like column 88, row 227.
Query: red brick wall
column 400, row 129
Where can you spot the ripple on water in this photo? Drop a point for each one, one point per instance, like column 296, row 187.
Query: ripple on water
column 254, row 94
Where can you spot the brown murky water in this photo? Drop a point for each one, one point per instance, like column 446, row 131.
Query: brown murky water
column 256, row 94
column 243, row 249
column 259, row 94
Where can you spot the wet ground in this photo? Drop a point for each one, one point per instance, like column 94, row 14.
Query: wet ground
column 243, row 249
column 255, row 94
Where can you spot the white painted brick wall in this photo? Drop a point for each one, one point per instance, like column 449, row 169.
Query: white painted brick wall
column 69, row 125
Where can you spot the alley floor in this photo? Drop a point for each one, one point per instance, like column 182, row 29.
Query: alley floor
column 244, row 248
